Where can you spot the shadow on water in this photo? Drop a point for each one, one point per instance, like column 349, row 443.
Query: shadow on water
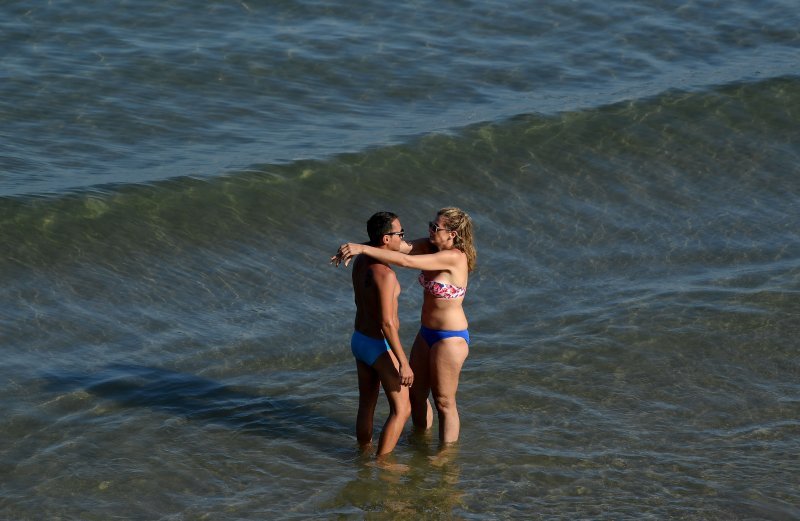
column 202, row 400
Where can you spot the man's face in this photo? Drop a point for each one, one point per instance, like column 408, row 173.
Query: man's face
column 395, row 236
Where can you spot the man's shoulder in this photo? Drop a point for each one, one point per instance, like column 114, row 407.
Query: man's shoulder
column 381, row 269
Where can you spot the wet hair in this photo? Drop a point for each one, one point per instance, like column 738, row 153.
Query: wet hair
column 379, row 225
column 457, row 220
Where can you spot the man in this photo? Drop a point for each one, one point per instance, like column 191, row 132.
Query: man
column 375, row 343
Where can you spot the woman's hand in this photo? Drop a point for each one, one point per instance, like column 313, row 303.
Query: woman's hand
column 346, row 253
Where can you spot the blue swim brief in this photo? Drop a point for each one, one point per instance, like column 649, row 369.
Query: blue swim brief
column 432, row 336
column 366, row 348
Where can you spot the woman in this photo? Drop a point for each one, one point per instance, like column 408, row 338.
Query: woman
column 445, row 259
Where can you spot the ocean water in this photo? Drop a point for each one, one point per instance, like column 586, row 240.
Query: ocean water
column 174, row 177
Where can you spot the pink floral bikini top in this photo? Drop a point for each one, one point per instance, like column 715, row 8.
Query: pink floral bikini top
column 440, row 289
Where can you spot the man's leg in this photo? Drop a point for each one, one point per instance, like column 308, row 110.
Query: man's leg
column 368, row 389
column 421, row 411
column 399, row 407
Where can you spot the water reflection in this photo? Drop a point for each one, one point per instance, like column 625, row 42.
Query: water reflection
column 429, row 489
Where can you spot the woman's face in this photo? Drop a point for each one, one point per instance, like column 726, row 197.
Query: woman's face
column 439, row 235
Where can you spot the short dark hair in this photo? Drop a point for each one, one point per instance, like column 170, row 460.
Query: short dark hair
column 379, row 225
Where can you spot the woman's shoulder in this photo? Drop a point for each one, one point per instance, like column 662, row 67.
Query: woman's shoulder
column 456, row 253
column 455, row 259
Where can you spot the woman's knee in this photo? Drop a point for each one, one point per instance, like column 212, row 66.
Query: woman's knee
column 445, row 403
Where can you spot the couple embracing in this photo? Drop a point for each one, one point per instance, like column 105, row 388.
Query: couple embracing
column 445, row 257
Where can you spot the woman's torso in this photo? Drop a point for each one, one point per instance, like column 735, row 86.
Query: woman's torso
column 443, row 297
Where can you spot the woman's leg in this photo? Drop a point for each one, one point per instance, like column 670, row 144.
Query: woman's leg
column 368, row 388
column 421, row 411
column 447, row 358
column 399, row 407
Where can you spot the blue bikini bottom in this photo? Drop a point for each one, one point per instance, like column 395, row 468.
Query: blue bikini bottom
column 431, row 336
column 366, row 348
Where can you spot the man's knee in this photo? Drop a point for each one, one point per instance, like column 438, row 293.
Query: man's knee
column 418, row 398
column 403, row 408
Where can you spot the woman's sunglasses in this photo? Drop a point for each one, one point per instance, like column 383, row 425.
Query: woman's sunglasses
column 432, row 226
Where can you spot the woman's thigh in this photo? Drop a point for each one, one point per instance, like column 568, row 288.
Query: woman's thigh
column 446, row 360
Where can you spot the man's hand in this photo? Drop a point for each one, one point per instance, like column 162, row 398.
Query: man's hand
column 406, row 375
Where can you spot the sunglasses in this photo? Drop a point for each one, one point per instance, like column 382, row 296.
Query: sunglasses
column 401, row 233
column 432, row 226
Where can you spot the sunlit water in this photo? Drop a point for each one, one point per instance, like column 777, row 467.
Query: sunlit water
column 175, row 344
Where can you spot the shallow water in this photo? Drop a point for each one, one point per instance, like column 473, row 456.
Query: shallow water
column 171, row 330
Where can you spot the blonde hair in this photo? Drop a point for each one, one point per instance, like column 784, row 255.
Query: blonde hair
column 459, row 221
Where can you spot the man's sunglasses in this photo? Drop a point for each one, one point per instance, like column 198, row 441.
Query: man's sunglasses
column 401, row 233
